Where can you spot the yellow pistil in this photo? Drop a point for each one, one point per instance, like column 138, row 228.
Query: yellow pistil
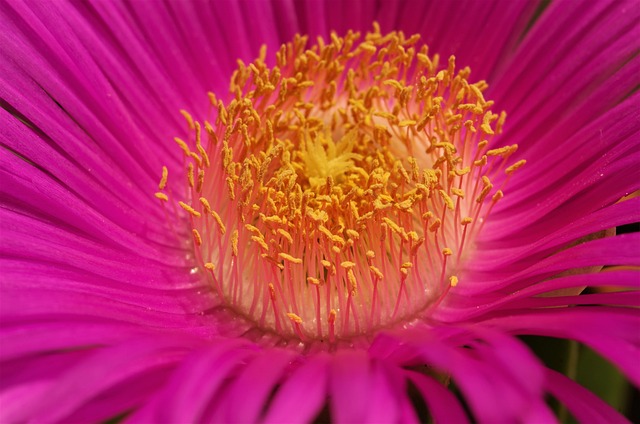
column 342, row 174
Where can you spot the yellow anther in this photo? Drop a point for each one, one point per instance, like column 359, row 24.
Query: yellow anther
column 289, row 258
column 447, row 200
column 353, row 234
column 196, row 158
column 318, row 215
column 205, row 156
column 405, row 205
column 510, row 170
column 182, row 146
column 497, row 196
column 453, row 281
column 234, row 243
column 394, row 227
column 188, row 118
column 324, row 230
column 231, row 188
column 458, row 192
column 406, row 265
column 209, row 266
column 500, row 122
column 485, row 189
column 163, row 180
column 466, row 220
column 272, row 219
column 347, row 264
column 161, row 196
column 260, row 240
column 376, row 272
column 254, row 230
column 353, row 285
column 463, row 171
column 424, row 60
column 313, row 280
column 406, row 123
column 447, row 252
column 190, row 175
column 481, row 162
column 486, row 123
column 200, row 182
column 196, row 237
column 369, row 47
column 285, row 234
column 394, row 83
column 221, row 225
column 379, row 205
column 476, row 91
column 413, row 236
column 198, row 131
column 205, row 205
column 189, row 209
column 294, row 318
column 503, row 151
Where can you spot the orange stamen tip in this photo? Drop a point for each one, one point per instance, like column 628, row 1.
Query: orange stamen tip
column 196, row 237
column 289, row 258
column 294, row 318
column 163, row 180
column 189, row 209
column 161, row 196
column 510, row 170
column 453, row 281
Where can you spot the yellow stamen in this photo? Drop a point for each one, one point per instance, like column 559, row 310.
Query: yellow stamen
column 163, row 180
column 289, row 258
column 189, row 209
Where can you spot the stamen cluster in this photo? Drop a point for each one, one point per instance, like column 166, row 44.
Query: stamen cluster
column 338, row 191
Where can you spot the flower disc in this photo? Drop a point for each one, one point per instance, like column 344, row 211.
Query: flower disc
column 340, row 190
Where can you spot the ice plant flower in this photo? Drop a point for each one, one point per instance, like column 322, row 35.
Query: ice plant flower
column 353, row 231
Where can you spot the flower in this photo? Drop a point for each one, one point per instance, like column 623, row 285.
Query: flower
column 114, row 302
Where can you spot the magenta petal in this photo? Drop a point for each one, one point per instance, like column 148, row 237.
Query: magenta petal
column 302, row 394
column 584, row 405
column 104, row 370
column 194, row 385
column 248, row 394
column 619, row 250
column 476, row 362
column 443, row 405
column 361, row 390
column 610, row 331
column 350, row 381
column 103, row 311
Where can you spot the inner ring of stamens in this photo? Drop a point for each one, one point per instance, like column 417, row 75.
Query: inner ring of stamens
column 337, row 192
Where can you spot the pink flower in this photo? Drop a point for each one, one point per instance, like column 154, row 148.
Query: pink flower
column 115, row 303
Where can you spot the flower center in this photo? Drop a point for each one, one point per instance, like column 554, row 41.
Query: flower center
column 339, row 190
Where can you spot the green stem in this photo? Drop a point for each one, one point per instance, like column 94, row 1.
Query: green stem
column 571, row 371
